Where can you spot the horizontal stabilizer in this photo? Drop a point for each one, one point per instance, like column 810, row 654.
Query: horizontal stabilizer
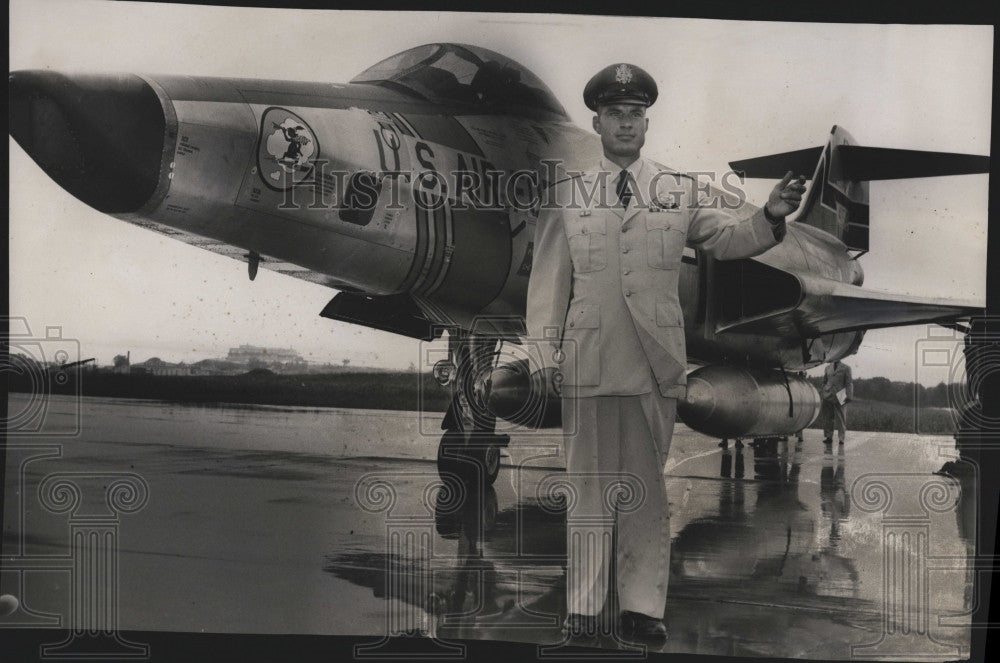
column 829, row 307
column 774, row 166
column 861, row 163
column 837, row 200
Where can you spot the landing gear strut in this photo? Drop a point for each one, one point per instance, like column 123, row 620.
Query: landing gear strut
column 470, row 446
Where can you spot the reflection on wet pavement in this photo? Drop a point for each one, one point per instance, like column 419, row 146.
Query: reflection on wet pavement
column 773, row 555
column 333, row 521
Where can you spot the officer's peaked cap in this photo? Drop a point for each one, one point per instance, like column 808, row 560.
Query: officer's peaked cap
column 620, row 83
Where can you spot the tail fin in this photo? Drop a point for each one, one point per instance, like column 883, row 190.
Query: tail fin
column 839, row 205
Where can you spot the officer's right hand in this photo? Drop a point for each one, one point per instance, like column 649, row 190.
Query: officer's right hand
column 548, row 381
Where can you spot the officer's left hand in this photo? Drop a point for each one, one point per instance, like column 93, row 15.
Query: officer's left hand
column 786, row 195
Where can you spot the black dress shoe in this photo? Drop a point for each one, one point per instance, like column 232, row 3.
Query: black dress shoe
column 582, row 630
column 827, row 440
column 642, row 629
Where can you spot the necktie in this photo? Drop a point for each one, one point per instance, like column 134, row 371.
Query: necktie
column 623, row 190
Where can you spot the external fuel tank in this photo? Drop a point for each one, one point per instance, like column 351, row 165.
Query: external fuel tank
column 728, row 401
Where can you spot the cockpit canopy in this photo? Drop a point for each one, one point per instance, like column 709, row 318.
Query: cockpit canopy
column 478, row 78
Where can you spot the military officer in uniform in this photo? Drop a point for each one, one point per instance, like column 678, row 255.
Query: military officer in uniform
column 837, row 384
column 603, row 293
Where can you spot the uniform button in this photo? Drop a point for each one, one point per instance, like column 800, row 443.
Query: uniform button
column 627, row 272
column 628, row 293
column 625, row 249
column 571, row 324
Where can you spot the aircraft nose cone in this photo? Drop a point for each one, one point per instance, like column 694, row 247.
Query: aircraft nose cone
column 100, row 137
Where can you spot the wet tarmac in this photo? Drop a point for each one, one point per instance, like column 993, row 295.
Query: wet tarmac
column 329, row 521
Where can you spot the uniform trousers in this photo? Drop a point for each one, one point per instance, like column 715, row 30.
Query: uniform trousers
column 833, row 416
column 616, row 450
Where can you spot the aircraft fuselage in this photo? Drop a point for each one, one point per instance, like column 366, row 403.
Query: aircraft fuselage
column 361, row 188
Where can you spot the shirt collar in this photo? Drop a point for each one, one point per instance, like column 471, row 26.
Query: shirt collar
column 634, row 169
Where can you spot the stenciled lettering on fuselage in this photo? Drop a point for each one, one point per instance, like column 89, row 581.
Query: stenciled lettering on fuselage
column 441, row 171
column 388, row 142
column 287, row 149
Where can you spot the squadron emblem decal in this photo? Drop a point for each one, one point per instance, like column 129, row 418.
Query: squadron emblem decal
column 287, row 149
column 623, row 74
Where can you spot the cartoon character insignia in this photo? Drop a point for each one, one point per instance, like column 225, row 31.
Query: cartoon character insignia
column 288, row 149
column 623, row 74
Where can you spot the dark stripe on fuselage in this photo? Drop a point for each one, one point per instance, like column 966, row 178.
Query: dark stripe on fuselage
column 426, row 267
column 420, row 251
column 437, row 218
column 446, row 239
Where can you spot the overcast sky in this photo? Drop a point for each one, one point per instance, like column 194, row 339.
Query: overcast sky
column 728, row 90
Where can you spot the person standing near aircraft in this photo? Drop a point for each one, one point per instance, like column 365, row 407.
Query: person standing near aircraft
column 837, row 391
column 798, row 434
column 603, row 297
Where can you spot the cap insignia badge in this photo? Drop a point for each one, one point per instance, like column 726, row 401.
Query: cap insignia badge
column 623, row 74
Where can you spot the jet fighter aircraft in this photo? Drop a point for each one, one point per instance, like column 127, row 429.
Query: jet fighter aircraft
column 366, row 187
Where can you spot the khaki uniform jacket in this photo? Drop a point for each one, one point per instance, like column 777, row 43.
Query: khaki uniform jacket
column 603, row 291
column 835, row 379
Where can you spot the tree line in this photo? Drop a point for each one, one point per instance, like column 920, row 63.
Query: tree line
column 901, row 393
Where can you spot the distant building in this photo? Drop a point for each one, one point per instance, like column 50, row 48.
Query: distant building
column 217, row 367
column 156, row 366
column 277, row 359
column 238, row 361
column 123, row 363
column 247, row 353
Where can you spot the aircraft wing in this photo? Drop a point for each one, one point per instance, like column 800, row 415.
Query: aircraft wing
column 826, row 306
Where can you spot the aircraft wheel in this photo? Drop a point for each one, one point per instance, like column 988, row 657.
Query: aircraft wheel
column 449, row 456
column 488, row 458
column 467, row 462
